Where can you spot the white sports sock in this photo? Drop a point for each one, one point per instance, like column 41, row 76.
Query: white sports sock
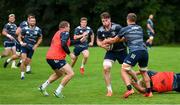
column 45, row 84
column 22, row 74
column 13, row 63
column 82, row 65
column 59, row 89
column 109, row 88
column 28, row 68
column 8, row 60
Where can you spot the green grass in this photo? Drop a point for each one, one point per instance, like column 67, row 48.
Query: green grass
column 87, row 89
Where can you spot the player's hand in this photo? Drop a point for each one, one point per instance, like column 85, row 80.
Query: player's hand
column 105, row 46
column 35, row 47
column 84, row 34
column 83, row 39
column 106, row 41
column 91, row 44
column 23, row 44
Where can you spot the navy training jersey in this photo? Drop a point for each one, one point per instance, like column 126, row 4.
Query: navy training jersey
column 23, row 24
column 79, row 31
column 150, row 22
column 10, row 28
column 114, row 30
column 31, row 35
column 134, row 36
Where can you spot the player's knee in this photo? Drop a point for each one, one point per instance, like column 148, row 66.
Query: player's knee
column 27, row 62
column 86, row 54
column 23, row 60
column 126, row 67
column 71, row 74
column 74, row 58
column 107, row 64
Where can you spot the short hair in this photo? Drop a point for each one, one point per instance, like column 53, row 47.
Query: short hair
column 11, row 15
column 63, row 24
column 132, row 17
column 31, row 15
column 83, row 19
column 105, row 15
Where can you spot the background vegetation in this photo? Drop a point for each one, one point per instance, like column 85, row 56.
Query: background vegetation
column 50, row 12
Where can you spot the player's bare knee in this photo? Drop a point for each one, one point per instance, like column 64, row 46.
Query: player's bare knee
column 86, row 55
column 126, row 67
column 27, row 61
column 70, row 74
column 74, row 58
column 107, row 64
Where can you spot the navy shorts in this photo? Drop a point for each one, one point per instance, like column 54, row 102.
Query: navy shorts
column 120, row 55
column 177, row 82
column 18, row 48
column 140, row 57
column 150, row 34
column 77, row 50
column 56, row 64
column 28, row 51
column 9, row 44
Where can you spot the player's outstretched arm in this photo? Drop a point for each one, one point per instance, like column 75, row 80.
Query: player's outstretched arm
column 138, row 87
column 113, row 40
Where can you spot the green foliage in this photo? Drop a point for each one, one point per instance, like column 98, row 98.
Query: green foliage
column 50, row 12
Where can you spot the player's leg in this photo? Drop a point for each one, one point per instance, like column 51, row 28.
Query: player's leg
column 121, row 57
column 13, row 50
column 13, row 57
column 53, row 77
column 29, row 59
column 125, row 71
column 7, row 50
column 73, row 61
column 76, row 52
column 23, row 64
column 14, row 53
column 18, row 52
column 84, row 60
column 143, row 63
column 55, row 65
column 24, row 55
column 67, row 69
column 146, row 79
column 109, row 59
column 150, row 39
column 107, row 65
column 177, row 82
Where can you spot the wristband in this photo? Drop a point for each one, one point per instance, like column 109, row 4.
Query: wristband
column 8, row 35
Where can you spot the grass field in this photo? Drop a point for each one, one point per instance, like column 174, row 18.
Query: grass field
column 87, row 89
